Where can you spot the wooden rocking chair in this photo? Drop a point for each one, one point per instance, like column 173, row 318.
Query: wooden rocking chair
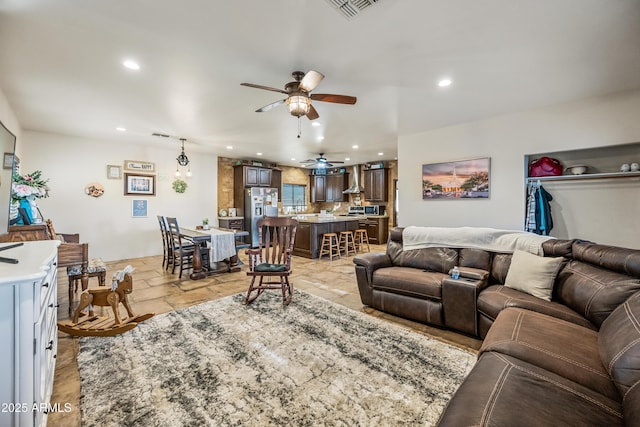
column 272, row 259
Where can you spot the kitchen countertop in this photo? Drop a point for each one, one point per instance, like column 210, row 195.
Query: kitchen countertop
column 317, row 220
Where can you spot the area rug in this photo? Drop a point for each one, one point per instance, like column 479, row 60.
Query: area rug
column 311, row 363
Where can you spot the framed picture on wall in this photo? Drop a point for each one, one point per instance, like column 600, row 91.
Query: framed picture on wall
column 138, row 184
column 464, row 179
column 136, row 165
column 7, row 161
column 139, row 208
column 114, row 172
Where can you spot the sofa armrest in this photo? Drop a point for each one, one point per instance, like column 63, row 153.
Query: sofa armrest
column 366, row 264
column 459, row 298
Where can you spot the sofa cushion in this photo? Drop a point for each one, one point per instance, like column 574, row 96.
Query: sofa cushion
column 500, row 268
column 408, row 281
column 440, row 260
column 593, row 292
column 619, row 343
column 532, row 274
column 474, row 258
column 496, row 298
column 505, row 391
column 542, row 341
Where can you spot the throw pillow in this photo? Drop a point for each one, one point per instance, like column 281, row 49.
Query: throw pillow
column 533, row 274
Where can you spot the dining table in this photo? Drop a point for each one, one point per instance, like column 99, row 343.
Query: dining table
column 223, row 250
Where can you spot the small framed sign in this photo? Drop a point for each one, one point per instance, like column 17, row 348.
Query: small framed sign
column 138, row 166
column 114, row 172
column 139, row 208
column 8, row 161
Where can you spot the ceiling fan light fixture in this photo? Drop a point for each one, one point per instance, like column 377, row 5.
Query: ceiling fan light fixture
column 299, row 105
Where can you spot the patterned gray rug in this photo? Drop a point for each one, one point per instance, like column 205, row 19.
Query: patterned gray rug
column 313, row 363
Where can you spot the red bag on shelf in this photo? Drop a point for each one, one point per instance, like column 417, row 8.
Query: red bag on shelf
column 545, row 166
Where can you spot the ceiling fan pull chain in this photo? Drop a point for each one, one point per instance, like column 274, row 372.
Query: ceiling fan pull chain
column 299, row 128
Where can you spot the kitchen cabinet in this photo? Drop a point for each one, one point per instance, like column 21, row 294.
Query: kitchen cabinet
column 318, row 188
column 252, row 176
column 234, row 223
column 329, row 188
column 377, row 228
column 28, row 332
column 376, row 186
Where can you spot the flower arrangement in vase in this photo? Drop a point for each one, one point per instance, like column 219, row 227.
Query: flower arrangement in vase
column 26, row 188
column 205, row 224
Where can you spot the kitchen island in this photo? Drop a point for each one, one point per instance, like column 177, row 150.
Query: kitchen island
column 311, row 228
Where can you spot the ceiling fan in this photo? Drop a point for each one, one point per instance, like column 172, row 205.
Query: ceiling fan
column 299, row 95
column 320, row 162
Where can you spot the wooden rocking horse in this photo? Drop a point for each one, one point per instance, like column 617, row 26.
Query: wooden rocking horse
column 92, row 325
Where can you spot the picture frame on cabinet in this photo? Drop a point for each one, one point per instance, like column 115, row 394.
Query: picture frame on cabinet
column 463, row 179
column 139, row 184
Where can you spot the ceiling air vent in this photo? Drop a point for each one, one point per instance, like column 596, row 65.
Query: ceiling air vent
column 351, row 8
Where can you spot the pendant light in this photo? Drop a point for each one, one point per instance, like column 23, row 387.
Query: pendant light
column 182, row 159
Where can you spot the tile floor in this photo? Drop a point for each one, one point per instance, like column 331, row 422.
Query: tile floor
column 158, row 291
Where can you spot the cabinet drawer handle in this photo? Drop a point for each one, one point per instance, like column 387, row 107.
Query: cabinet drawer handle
column 45, row 285
column 50, row 346
column 54, row 305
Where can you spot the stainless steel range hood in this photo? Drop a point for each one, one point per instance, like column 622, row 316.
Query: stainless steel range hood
column 355, row 187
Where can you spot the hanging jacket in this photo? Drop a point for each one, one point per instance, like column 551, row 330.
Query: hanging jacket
column 544, row 221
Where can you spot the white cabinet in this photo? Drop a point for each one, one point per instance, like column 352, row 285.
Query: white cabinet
column 28, row 332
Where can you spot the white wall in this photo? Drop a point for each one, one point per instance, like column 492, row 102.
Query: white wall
column 604, row 212
column 105, row 222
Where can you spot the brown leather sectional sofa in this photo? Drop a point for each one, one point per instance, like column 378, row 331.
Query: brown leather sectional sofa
column 574, row 360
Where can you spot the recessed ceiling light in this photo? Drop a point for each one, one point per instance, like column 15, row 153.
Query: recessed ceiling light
column 347, row 159
column 130, row 64
column 354, row 146
column 121, row 129
column 259, row 154
column 444, row 82
column 321, row 138
column 381, row 154
column 293, row 158
column 229, row 147
column 316, row 124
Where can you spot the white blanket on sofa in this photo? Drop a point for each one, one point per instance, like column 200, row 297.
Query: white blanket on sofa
column 489, row 239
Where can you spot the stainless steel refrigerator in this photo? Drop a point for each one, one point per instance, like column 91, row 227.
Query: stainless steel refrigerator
column 258, row 203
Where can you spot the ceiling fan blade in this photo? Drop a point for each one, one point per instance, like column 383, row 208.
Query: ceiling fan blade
column 312, row 114
column 270, row 106
column 310, row 81
column 273, row 89
column 338, row 99
column 334, row 161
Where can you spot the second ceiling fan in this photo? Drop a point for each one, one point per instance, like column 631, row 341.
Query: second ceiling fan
column 299, row 95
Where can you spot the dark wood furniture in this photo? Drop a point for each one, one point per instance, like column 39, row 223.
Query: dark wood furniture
column 377, row 228
column 376, row 185
column 272, row 259
column 201, row 265
column 309, row 234
column 253, row 176
column 182, row 251
column 329, row 188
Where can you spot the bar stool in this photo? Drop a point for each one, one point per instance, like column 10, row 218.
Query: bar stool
column 329, row 243
column 347, row 243
column 361, row 238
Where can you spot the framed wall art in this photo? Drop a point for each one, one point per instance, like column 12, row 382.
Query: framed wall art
column 139, row 208
column 114, row 172
column 7, row 161
column 464, row 179
column 139, row 184
column 138, row 166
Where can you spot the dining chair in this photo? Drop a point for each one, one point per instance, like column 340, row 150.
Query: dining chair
column 181, row 248
column 167, row 254
column 270, row 263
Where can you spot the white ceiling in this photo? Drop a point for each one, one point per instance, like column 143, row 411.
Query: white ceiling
column 60, row 67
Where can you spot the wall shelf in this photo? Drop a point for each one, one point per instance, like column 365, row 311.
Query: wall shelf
column 586, row 176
